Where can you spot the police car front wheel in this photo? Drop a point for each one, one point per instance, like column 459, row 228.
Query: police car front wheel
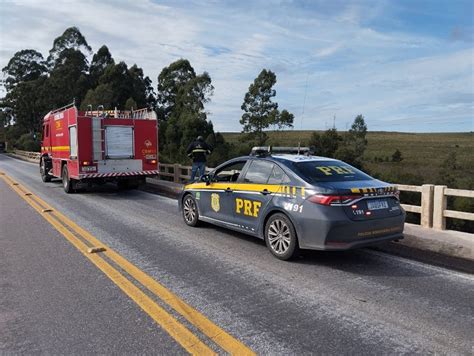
column 190, row 211
column 280, row 237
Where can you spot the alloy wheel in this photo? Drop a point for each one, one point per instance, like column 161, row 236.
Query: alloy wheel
column 279, row 236
column 189, row 211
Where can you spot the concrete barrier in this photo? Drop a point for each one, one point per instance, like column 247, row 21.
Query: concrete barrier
column 27, row 156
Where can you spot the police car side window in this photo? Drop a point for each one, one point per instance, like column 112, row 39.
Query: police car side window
column 229, row 173
column 278, row 176
column 258, row 172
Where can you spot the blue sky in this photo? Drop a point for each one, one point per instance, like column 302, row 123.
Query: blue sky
column 405, row 65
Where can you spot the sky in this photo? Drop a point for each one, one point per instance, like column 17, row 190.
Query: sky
column 405, row 65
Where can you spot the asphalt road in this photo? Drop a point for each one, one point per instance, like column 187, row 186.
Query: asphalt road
column 53, row 300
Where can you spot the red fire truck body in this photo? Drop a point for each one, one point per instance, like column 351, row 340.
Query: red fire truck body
column 99, row 146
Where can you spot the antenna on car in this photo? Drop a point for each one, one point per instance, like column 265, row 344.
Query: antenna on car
column 302, row 112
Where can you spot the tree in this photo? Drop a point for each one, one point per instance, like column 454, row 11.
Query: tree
column 222, row 150
column 68, row 79
column 354, row 143
column 447, row 171
column 25, row 73
column 103, row 94
column 357, row 134
column 397, row 156
column 100, row 61
column 28, row 105
column 130, row 104
column 326, row 144
column 142, row 89
column 118, row 84
column 24, row 66
column 34, row 86
column 259, row 110
column 170, row 80
column 73, row 39
column 181, row 98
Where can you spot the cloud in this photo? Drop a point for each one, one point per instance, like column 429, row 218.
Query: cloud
column 351, row 55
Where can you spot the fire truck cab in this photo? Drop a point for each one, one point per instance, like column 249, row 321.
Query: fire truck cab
column 84, row 147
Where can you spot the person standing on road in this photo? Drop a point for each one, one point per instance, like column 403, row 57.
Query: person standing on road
column 197, row 150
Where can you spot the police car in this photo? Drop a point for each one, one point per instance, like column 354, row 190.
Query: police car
column 295, row 201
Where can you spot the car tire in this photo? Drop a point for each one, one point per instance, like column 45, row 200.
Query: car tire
column 45, row 177
column 280, row 237
column 68, row 184
column 190, row 211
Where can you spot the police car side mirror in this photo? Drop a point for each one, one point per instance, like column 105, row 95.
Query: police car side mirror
column 206, row 178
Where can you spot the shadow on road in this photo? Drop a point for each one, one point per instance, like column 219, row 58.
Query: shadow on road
column 106, row 191
column 359, row 262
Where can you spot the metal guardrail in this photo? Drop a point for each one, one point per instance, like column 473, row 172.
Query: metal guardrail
column 433, row 209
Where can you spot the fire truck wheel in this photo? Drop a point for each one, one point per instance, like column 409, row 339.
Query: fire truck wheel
column 68, row 184
column 44, row 176
column 124, row 185
column 190, row 211
column 133, row 184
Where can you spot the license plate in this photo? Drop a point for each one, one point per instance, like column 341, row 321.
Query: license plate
column 377, row 204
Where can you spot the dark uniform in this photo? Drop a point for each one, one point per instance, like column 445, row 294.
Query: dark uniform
column 197, row 150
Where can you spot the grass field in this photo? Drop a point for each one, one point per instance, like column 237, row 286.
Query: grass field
column 423, row 154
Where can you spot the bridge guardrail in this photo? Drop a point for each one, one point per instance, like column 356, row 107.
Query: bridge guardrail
column 30, row 155
column 433, row 209
column 440, row 211
column 177, row 172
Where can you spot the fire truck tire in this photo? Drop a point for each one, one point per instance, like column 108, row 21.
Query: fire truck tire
column 133, row 184
column 68, row 184
column 45, row 177
column 123, row 185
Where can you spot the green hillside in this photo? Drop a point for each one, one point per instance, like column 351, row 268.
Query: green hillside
column 423, row 154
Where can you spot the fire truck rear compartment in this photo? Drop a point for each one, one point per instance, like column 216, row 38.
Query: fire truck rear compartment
column 100, row 147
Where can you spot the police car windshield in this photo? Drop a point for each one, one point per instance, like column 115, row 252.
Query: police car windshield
column 328, row 171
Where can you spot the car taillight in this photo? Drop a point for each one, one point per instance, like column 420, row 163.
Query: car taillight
column 333, row 199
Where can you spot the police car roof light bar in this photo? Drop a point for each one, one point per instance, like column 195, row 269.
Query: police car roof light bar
column 268, row 150
column 260, row 151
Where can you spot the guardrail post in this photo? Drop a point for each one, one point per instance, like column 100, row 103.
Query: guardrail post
column 439, row 206
column 177, row 172
column 427, row 191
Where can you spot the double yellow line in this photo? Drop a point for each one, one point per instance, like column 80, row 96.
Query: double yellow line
column 139, row 286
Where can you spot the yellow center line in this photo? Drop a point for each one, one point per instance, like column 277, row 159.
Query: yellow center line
column 211, row 330
column 175, row 329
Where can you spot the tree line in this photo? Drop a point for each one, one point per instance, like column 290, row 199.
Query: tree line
column 35, row 85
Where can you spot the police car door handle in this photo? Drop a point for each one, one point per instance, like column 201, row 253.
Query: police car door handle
column 228, row 190
column 265, row 192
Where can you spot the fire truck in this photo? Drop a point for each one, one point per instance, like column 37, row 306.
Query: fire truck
column 85, row 147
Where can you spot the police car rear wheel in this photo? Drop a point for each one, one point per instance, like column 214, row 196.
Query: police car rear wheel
column 280, row 237
column 190, row 212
